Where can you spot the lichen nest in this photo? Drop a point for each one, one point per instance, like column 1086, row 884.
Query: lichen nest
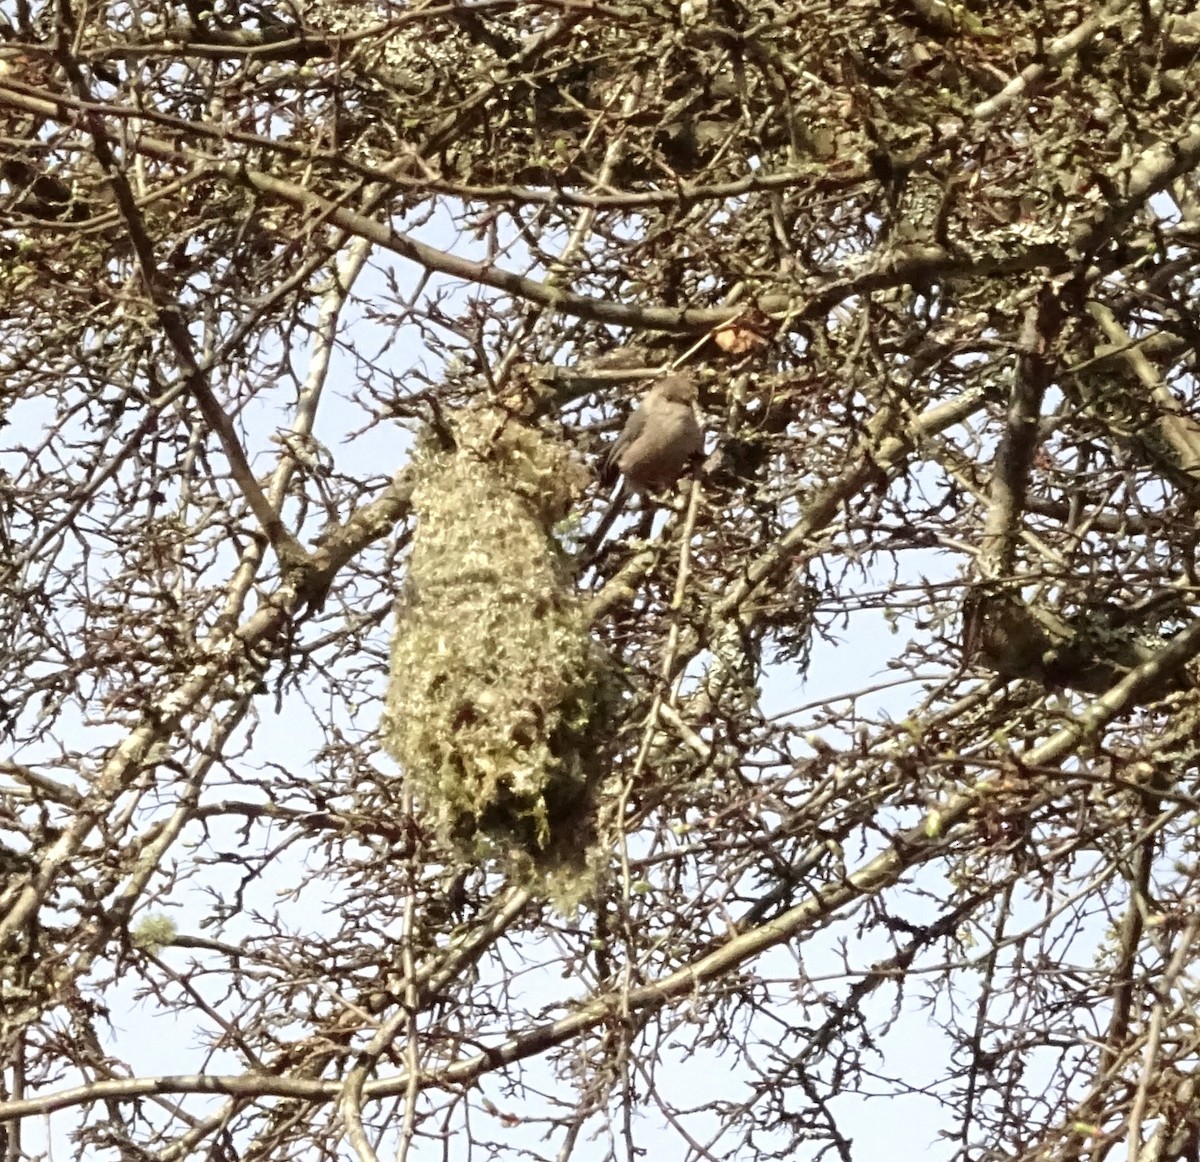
column 498, row 693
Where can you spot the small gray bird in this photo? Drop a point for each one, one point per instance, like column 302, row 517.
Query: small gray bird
column 653, row 449
column 659, row 438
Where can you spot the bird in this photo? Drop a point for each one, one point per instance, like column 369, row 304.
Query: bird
column 654, row 447
column 659, row 439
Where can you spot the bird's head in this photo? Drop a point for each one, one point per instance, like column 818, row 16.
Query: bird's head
column 677, row 389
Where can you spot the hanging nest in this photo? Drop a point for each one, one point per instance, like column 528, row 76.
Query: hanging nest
column 499, row 697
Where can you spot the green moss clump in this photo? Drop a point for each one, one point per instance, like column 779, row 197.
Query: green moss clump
column 499, row 697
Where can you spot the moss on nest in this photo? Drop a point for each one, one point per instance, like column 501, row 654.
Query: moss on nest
column 499, row 696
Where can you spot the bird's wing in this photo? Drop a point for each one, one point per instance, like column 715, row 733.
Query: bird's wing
column 630, row 432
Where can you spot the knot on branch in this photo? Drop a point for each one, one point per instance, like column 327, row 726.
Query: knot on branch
column 1090, row 649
